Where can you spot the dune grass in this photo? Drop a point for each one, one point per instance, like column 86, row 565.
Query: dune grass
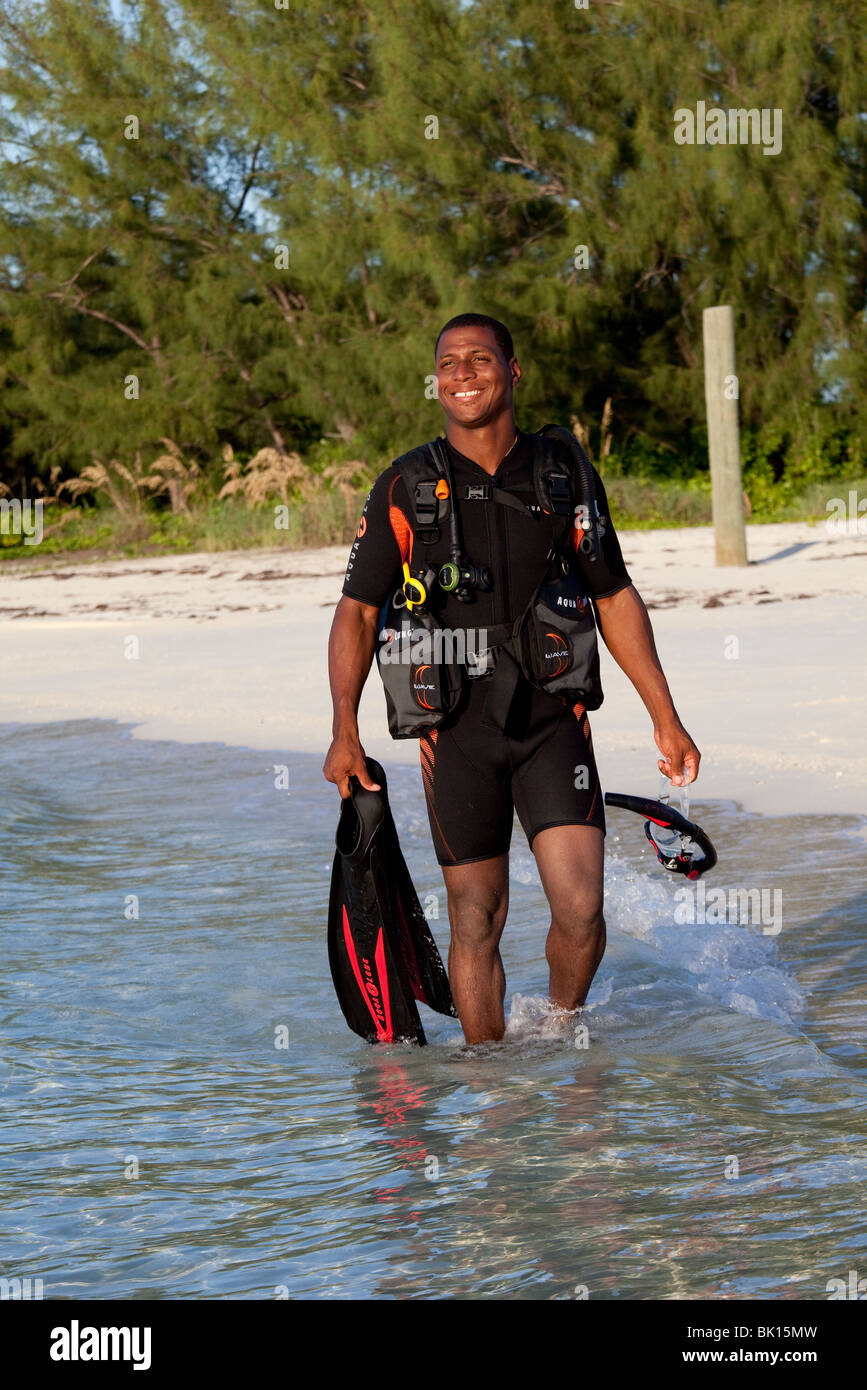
column 329, row 517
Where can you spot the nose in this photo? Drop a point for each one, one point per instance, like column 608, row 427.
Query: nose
column 463, row 371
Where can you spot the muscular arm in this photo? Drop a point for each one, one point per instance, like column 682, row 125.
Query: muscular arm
column 628, row 635
column 350, row 653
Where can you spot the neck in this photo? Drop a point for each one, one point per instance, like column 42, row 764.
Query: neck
column 488, row 445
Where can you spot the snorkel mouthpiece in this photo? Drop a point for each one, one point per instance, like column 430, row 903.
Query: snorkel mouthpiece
column 673, row 850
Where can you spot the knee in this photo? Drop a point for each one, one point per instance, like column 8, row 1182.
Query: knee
column 477, row 919
column 579, row 916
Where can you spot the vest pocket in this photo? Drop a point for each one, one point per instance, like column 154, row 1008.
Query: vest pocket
column 422, row 687
column 559, row 650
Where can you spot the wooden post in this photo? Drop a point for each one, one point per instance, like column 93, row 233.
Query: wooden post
column 721, row 397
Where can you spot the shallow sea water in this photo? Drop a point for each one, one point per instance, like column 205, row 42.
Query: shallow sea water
column 184, row 1114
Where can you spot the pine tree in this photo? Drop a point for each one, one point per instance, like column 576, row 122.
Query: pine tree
column 245, row 224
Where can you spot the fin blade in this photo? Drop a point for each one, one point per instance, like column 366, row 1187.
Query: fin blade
column 371, row 987
column 427, row 973
column 382, row 953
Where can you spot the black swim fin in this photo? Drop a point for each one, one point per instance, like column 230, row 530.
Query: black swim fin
column 382, row 954
column 427, row 974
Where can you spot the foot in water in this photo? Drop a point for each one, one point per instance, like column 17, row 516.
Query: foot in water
column 534, row 1018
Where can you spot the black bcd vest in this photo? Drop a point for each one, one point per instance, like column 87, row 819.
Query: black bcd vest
column 553, row 642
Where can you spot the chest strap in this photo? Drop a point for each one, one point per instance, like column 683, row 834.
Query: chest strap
column 489, row 492
column 424, row 467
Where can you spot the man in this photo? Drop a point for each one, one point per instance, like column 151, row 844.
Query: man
column 540, row 761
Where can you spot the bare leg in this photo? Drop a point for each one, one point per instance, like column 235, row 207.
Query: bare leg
column 570, row 861
column 478, row 900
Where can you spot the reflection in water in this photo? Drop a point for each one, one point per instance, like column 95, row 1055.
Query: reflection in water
column 707, row 1144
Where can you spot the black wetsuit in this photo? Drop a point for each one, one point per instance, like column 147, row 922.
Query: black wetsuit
column 542, row 763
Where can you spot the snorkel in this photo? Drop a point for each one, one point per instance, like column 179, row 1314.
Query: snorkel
column 681, row 846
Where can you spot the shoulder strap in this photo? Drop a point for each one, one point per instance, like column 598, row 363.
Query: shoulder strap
column 421, row 472
column 552, row 479
column 582, row 488
column 566, row 437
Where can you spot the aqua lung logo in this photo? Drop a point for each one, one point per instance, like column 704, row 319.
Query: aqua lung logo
column 577, row 605
column 370, row 986
column 564, row 596
column 362, row 528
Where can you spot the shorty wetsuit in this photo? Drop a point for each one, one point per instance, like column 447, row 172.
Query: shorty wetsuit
column 541, row 763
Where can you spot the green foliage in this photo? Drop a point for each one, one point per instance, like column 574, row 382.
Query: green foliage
column 159, row 257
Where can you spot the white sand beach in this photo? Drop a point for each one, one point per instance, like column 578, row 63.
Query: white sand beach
column 767, row 664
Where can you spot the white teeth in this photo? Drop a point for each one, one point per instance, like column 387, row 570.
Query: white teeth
column 464, row 395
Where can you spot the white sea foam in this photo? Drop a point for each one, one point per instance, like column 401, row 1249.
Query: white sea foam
column 734, row 965
column 533, row 1018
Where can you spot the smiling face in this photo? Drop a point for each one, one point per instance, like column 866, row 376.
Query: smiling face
column 474, row 380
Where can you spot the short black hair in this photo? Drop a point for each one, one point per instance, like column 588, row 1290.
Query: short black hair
column 499, row 330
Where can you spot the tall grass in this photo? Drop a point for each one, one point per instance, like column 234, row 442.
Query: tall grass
column 276, row 500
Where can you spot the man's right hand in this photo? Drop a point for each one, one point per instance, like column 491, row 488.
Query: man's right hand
column 345, row 759
column 350, row 653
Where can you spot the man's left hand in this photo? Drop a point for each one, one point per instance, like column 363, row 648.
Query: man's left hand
column 680, row 757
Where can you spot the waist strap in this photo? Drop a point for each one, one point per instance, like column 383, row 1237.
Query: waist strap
column 501, row 691
column 497, row 634
column 504, row 681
